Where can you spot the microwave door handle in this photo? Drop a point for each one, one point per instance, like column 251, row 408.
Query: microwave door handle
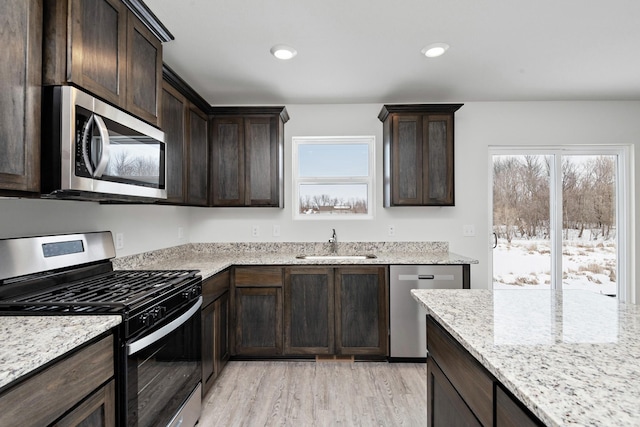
column 105, row 151
column 86, row 137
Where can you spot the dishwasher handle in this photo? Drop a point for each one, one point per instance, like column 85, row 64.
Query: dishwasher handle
column 426, row 277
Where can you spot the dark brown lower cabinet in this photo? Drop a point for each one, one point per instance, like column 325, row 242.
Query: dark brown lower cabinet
column 444, row 405
column 510, row 412
column 215, row 342
column 461, row 392
column 258, row 321
column 215, row 327
column 97, row 411
column 310, row 310
column 336, row 310
column 361, row 305
column 308, row 313
column 80, row 386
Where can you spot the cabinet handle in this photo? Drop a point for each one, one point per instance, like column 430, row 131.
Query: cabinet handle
column 426, row 277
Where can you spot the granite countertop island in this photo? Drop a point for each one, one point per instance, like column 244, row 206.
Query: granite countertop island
column 571, row 357
column 29, row 342
column 211, row 258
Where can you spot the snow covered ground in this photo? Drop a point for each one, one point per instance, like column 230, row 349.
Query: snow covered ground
column 586, row 264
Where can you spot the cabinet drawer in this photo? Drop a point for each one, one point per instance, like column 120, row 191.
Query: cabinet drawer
column 214, row 286
column 258, row 276
column 469, row 378
column 47, row 395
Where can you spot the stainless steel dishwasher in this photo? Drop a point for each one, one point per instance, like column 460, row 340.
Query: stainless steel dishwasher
column 407, row 329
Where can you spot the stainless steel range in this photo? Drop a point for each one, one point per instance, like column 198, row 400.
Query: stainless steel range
column 158, row 355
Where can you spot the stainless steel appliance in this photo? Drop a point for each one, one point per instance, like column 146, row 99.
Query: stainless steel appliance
column 407, row 328
column 93, row 151
column 158, row 356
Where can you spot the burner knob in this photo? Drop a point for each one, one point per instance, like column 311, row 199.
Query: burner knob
column 147, row 319
column 158, row 313
column 190, row 294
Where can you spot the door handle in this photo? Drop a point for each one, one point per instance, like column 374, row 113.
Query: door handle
column 95, row 170
column 495, row 241
column 105, row 144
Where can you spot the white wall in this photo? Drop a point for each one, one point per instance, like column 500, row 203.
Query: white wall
column 144, row 227
column 478, row 125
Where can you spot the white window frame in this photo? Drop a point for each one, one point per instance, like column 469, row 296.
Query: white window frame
column 368, row 180
column 624, row 198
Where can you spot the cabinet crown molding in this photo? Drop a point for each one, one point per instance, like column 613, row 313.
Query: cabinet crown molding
column 417, row 108
column 234, row 111
column 149, row 19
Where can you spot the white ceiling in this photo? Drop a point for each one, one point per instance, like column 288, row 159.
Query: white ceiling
column 368, row 51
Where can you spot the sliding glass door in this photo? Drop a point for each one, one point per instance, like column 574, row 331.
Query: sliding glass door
column 557, row 218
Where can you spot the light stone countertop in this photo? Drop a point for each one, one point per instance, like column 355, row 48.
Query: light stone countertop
column 572, row 357
column 29, row 342
column 211, row 258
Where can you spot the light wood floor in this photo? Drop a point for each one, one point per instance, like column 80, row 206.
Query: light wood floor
column 317, row 394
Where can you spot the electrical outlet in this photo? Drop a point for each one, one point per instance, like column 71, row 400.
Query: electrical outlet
column 391, row 230
column 276, row 230
column 180, row 233
column 119, row 241
column 255, row 231
column 468, row 230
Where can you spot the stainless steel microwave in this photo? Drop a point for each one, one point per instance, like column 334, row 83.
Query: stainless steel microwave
column 94, row 151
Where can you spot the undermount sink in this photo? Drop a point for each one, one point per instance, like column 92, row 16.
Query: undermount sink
column 337, row 257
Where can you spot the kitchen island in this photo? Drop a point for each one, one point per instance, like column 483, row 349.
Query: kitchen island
column 569, row 357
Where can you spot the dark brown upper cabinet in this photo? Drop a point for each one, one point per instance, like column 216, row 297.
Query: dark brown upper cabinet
column 197, row 183
column 102, row 47
column 185, row 127
column 173, row 119
column 418, row 154
column 20, row 103
column 247, row 156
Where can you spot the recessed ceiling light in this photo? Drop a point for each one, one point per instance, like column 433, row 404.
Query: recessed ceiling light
column 284, row 52
column 435, row 49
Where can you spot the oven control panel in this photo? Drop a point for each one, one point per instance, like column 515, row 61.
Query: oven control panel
column 168, row 308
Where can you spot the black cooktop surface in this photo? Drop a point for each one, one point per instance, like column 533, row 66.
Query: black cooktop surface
column 111, row 292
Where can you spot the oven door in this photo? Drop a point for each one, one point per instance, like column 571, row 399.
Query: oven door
column 164, row 372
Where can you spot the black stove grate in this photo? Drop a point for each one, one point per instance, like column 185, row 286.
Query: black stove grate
column 114, row 291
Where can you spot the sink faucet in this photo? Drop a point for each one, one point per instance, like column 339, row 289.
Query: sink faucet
column 334, row 242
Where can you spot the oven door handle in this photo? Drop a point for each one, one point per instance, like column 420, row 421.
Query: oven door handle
column 146, row 341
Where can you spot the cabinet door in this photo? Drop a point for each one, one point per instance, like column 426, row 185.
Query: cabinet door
column 438, row 160
column 261, row 161
column 445, row 407
column 173, row 117
column 258, row 321
column 407, row 164
column 361, row 311
column 208, row 317
column 198, row 189
column 309, row 314
column 20, row 85
column 97, row 411
column 511, row 413
column 144, row 70
column 227, row 162
column 98, row 48
column 221, row 345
